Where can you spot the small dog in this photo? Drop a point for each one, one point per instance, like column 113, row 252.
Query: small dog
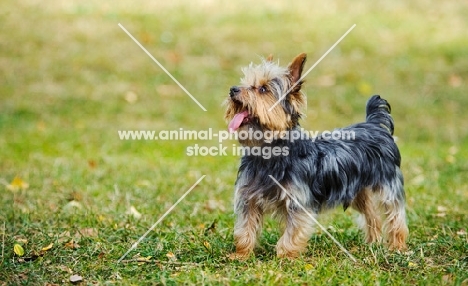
column 319, row 174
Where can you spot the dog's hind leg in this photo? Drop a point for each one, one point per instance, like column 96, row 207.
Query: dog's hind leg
column 392, row 198
column 370, row 218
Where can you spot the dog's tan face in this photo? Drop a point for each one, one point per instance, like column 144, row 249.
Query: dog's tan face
column 261, row 87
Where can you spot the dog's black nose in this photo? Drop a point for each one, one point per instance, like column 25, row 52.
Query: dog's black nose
column 234, row 91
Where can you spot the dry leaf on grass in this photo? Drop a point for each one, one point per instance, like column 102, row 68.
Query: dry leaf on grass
column 133, row 212
column 72, row 244
column 171, row 256
column 18, row 250
column 17, row 184
column 207, row 245
column 461, row 232
column 441, row 211
column 72, row 205
column 131, row 97
column 48, row 247
column 76, row 278
column 86, row 232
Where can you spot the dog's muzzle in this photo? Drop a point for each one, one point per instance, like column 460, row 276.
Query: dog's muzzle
column 234, row 91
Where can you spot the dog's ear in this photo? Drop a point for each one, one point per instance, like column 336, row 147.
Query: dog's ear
column 296, row 98
column 269, row 58
column 296, row 67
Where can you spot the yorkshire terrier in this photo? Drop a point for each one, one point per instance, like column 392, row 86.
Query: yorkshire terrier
column 362, row 172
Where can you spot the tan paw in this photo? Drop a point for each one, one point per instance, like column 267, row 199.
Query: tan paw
column 287, row 254
column 239, row 256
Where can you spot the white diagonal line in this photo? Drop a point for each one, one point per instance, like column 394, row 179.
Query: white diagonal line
column 162, row 67
column 160, row 219
column 312, row 67
column 314, row 219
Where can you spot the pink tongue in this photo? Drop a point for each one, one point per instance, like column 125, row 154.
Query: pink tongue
column 237, row 121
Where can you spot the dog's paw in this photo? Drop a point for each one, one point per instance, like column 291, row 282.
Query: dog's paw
column 282, row 252
column 288, row 255
column 238, row 256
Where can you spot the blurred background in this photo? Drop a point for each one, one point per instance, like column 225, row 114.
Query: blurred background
column 70, row 78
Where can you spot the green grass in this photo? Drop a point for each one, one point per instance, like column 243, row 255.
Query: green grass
column 65, row 71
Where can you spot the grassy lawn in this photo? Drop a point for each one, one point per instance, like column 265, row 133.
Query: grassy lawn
column 75, row 197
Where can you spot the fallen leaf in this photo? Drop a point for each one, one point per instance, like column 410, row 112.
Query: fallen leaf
column 131, row 97
column 72, row 244
column 171, row 256
column 309, row 267
column 133, row 212
column 87, row 232
column 75, row 196
column 18, row 249
column 48, row 247
column 92, row 164
column 17, row 184
column 207, row 245
column 72, row 204
column 76, row 278
column 441, row 211
column 461, row 232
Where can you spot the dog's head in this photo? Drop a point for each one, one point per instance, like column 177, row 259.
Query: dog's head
column 269, row 97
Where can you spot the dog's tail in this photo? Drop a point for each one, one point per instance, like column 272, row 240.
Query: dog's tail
column 378, row 112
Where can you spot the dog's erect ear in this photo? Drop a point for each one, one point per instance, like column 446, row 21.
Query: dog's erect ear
column 269, row 58
column 296, row 67
column 296, row 98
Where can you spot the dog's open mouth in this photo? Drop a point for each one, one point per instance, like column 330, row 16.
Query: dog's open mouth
column 238, row 120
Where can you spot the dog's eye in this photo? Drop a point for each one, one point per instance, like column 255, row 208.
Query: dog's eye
column 262, row 89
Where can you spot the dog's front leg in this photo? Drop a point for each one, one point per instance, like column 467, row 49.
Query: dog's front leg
column 298, row 229
column 248, row 225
